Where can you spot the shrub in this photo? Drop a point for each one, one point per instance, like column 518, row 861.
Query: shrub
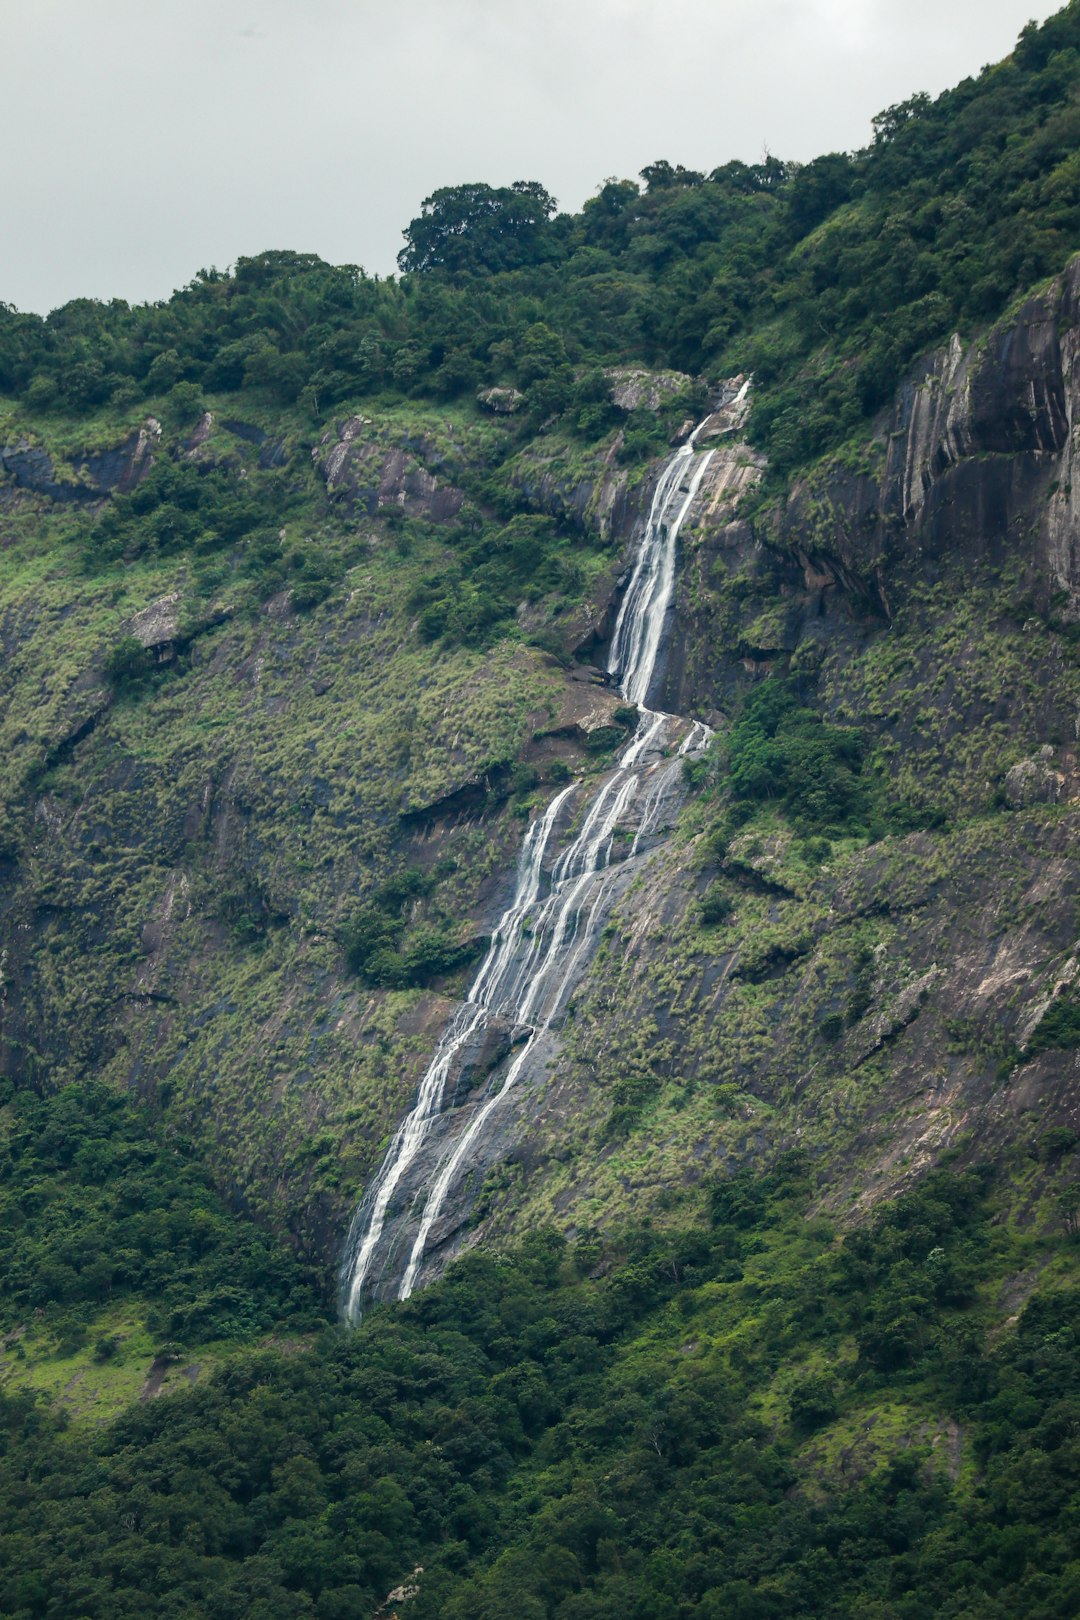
column 127, row 664
column 831, row 1027
column 185, row 404
column 603, row 739
column 781, row 750
column 715, row 906
column 812, row 1402
column 1059, row 1028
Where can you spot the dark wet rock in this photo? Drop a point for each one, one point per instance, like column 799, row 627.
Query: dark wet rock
column 244, row 430
column 475, row 796
column 273, row 453
column 975, row 457
column 86, row 478
column 491, row 1047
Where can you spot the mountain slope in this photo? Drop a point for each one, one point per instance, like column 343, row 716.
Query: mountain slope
column 307, row 589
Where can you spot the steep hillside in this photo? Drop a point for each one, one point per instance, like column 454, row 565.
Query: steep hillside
column 859, row 961
column 316, row 705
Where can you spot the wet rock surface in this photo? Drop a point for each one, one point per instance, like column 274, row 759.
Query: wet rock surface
column 86, row 478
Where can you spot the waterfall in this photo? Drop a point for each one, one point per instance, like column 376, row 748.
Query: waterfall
column 544, row 940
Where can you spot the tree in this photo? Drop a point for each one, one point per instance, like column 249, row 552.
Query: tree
column 817, row 189
column 662, row 176
column 479, row 229
column 889, row 123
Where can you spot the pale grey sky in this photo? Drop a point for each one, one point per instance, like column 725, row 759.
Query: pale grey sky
column 144, row 139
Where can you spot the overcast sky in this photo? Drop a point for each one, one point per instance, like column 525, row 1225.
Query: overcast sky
column 144, row 139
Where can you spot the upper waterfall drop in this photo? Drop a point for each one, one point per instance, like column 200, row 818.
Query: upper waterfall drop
column 639, row 628
column 527, row 976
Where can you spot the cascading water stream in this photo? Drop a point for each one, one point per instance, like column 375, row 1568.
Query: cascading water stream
column 540, row 945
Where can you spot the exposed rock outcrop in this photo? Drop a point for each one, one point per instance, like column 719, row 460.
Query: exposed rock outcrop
column 634, row 388
column 501, row 401
column 369, row 472
column 976, row 457
column 157, row 625
column 1035, row 781
column 85, row 478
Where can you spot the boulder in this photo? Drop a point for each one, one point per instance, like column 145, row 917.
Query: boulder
column 501, row 401
column 633, row 388
column 1035, row 781
column 156, row 625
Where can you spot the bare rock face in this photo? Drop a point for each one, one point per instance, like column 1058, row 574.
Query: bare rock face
column 586, row 708
column 157, row 624
column 197, row 446
column 731, row 408
column 367, row 471
column 501, row 401
column 976, row 457
column 633, row 388
column 590, row 493
column 1035, row 781
column 86, row 478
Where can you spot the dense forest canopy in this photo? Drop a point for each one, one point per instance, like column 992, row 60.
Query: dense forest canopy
column 536, row 1442
column 825, row 279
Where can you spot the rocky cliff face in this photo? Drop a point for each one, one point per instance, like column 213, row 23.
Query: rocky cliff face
column 877, row 1006
column 177, row 869
column 85, row 478
column 976, row 458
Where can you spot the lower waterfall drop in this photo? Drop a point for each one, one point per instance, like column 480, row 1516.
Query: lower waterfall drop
column 526, row 976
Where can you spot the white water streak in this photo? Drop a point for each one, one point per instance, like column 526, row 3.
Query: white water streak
column 639, row 628
column 528, row 983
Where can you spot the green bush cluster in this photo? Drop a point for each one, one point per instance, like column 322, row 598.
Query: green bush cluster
column 558, row 1445
column 1058, row 1030
column 127, row 664
column 96, row 1206
column 781, row 750
column 213, row 517
column 488, row 572
column 825, row 279
column 387, row 952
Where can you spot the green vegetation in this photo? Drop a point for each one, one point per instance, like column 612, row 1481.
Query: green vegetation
column 780, row 749
column 825, row 279
column 278, row 709
column 747, row 1420
column 470, row 601
column 127, row 664
column 783, row 754
column 373, row 941
column 208, row 517
column 98, row 1207
column 1059, row 1027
